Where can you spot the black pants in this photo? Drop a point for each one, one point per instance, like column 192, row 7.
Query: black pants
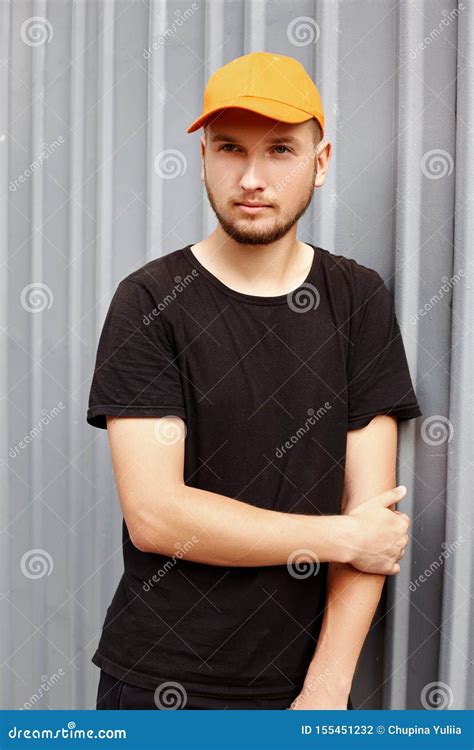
column 114, row 694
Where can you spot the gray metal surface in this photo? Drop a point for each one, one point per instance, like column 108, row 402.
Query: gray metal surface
column 397, row 83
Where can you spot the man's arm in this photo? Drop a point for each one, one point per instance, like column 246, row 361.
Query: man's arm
column 161, row 510
column 352, row 596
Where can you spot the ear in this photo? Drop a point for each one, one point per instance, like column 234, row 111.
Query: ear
column 324, row 154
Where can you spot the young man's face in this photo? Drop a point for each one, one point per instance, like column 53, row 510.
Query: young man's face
column 248, row 158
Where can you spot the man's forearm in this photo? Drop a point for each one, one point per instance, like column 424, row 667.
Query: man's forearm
column 230, row 532
column 351, row 604
column 353, row 596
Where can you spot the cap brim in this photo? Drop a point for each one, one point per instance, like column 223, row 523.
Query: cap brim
column 274, row 110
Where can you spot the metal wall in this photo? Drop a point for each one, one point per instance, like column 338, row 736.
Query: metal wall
column 89, row 195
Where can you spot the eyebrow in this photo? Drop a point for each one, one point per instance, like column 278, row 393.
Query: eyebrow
column 271, row 139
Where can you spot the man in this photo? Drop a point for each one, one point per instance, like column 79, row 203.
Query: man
column 251, row 386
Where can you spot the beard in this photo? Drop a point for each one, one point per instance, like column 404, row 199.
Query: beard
column 252, row 230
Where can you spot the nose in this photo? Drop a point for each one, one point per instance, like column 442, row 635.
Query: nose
column 252, row 177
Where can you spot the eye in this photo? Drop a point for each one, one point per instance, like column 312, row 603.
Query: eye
column 232, row 145
column 228, row 147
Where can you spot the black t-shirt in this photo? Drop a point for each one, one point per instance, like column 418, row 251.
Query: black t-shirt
column 268, row 388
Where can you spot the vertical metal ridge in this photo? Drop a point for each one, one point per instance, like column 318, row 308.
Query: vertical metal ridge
column 105, row 139
column 407, row 240
column 76, row 424
column 38, row 510
column 158, row 13
column 326, row 78
column 458, row 567
column 6, row 547
column 213, row 59
column 254, row 29
column 104, row 285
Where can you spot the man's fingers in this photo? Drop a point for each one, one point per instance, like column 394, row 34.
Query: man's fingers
column 404, row 516
column 389, row 497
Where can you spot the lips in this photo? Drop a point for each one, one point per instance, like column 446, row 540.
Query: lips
column 252, row 209
column 254, row 205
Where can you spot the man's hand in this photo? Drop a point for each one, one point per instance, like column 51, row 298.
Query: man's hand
column 380, row 533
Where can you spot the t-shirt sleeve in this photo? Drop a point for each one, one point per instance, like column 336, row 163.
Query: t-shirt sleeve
column 379, row 380
column 136, row 371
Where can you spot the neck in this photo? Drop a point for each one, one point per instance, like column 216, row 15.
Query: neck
column 256, row 269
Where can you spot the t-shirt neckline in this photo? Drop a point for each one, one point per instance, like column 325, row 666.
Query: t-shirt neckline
column 278, row 299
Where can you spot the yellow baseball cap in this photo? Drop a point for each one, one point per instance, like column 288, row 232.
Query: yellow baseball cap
column 272, row 85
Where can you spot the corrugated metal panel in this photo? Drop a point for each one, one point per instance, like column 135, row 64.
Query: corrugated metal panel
column 81, row 86
column 457, row 610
